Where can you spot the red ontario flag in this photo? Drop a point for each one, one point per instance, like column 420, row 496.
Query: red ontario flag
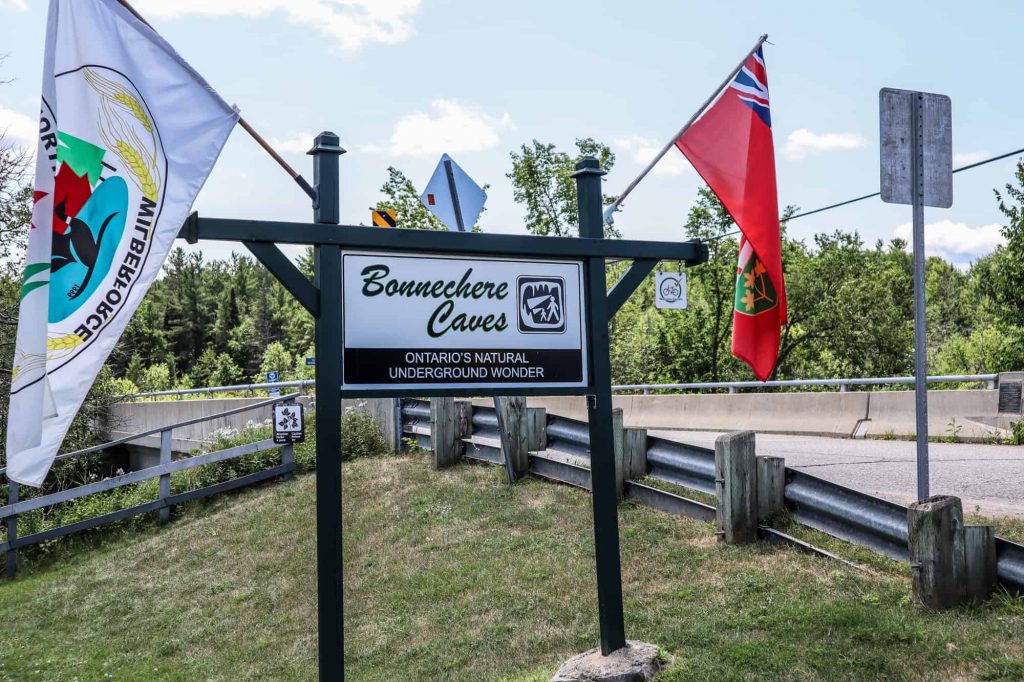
column 731, row 147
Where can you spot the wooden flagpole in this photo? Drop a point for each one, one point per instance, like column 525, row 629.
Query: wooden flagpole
column 295, row 175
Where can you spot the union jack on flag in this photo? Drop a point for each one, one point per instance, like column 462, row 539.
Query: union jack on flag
column 752, row 84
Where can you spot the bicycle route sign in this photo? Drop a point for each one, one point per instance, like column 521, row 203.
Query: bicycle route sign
column 416, row 321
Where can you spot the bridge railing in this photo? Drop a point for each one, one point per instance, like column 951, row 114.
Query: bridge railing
column 990, row 381
column 843, row 384
column 164, row 501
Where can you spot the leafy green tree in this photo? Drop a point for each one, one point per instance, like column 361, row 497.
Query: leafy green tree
column 156, row 378
column 404, row 200
column 275, row 359
column 225, row 372
column 542, row 181
column 1003, row 272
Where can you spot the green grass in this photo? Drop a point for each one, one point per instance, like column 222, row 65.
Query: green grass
column 454, row 575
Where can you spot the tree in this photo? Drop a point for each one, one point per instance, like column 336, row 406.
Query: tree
column 225, row 372
column 404, row 200
column 542, row 181
column 155, row 378
column 1001, row 274
column 703, row 342
column 275, row 359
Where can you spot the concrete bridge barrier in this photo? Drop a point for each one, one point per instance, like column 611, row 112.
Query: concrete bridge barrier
column 837, row 414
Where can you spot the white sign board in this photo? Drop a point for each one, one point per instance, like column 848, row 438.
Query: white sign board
column 469, row 197
column 413, row 321
column 670, row 290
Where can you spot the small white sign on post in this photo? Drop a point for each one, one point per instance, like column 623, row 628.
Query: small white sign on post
column 414, row 321
column 289, row 424
column 670, row 290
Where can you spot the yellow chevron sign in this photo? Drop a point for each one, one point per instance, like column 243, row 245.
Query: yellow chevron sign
column 383, row 218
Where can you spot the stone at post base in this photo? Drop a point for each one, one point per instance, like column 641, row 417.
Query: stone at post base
column 635, row 662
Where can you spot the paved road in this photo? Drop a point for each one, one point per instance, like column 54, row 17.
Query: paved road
column 987, row 477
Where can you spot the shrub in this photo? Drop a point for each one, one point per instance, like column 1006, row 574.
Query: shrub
column 1018, row 433
column 360, row 436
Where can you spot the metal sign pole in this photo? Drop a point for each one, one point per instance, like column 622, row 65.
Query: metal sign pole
column 920, row 352
column 916, row 161
column 327, row 264
column 455, row 195
column 599, row 415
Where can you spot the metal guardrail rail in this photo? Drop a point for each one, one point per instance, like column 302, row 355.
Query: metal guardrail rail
column 165, row 500
column 843, row 384
column 833, row 509
column 210, row 390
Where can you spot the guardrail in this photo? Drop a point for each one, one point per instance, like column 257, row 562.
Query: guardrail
column 843, row 384
column 165, row 500
column 236, row 388
column 833, row 509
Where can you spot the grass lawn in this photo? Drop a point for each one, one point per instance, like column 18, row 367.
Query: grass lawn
column 454, row 575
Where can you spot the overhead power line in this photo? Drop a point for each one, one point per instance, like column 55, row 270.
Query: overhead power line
column 875, row 194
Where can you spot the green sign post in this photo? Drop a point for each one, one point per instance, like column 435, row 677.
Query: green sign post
column 323, row 298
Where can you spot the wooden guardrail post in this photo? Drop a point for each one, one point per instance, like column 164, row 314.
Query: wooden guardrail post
column 11, row 523
column 736, row 487
column 771, row 486
column 936, row 533
column 515, row 436
column 443, row 432
column 634, row 453
column 980, row 561
column 536, row 429
column 165, row 479
column 463, row 420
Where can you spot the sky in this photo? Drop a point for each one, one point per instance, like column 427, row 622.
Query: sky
column 403, row 81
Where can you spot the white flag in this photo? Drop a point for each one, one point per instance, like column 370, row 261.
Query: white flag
column 128, row 134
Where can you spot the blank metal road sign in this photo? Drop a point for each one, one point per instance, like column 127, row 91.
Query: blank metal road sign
column 912, row 121
column 384, row 218
column 453, row 197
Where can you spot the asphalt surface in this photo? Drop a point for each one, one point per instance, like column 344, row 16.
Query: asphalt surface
column 989, row 479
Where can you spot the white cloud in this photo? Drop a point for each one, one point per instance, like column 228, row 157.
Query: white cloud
column 955, row 242
column 16, row 127
column 451, row 128
column 967, row 158
column 353, row 23
column 642, row 150
column 802, row 143
column 18, row 5
column 299, row 143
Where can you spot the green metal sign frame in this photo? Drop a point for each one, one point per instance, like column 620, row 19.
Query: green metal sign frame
column 323, row 299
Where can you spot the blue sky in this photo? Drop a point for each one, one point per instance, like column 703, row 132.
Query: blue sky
column 404, row 80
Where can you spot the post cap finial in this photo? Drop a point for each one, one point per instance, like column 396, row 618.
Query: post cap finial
column 327, row 143
column 588, row 165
